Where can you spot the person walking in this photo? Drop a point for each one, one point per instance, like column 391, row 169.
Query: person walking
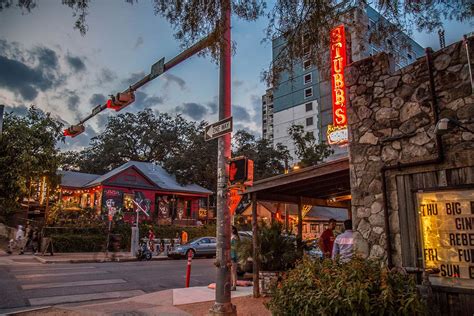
column 326, row 241
column 344, row 243
column 35, row 240
column 18, row 241
column 233, row 257
column 184, row 237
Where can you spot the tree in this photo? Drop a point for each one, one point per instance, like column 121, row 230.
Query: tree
column 308, row 149
column 28, row 152
column 144, row 136
column 268, row 161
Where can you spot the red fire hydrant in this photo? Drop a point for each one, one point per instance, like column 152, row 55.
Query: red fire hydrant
column 188, row 268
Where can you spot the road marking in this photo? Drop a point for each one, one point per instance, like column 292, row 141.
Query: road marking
column 54, row 300
column 43, row 275
column 49, row 269
column 69, row 284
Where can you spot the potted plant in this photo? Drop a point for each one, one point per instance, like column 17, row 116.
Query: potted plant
column 277, row 254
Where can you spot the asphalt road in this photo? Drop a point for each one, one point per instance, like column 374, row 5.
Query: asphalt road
column 25, row 283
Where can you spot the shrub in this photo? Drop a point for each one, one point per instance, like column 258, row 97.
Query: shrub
column 277, row 252
column 79, row 243
column 358, row 287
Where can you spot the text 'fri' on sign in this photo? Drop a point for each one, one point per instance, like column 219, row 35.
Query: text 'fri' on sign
column 447, row 228
column 218, row 129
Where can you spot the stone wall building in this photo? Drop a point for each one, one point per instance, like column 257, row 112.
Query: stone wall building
column 396, row 154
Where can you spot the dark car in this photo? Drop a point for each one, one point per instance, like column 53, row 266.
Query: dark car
column 202, row 246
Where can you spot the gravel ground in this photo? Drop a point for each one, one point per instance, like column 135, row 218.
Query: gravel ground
column 246, row 306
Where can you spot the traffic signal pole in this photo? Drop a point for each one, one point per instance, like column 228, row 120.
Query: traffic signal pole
column 155, row 72
column 223, row 305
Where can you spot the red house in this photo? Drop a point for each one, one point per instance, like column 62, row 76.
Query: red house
column 133, row 185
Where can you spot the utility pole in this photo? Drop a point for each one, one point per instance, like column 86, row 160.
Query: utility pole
column 223, row 305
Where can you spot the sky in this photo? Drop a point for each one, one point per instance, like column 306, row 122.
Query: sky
column 45, row 62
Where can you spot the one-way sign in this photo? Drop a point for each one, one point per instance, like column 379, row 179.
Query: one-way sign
column 218, row 129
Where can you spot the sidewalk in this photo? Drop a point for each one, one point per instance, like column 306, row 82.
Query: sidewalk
column 179, row 302
column 76, row 257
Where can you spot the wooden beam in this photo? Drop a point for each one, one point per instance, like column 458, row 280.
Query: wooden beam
column 295, row 200
column 328, row 168
column 256, row 250
column 299, row 237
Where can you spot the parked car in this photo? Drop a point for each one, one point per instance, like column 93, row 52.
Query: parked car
column 202, row 246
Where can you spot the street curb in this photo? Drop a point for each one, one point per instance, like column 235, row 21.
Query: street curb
column 49, row 261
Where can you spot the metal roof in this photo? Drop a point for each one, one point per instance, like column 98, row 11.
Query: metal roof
column 156, row 174
column 74, row 179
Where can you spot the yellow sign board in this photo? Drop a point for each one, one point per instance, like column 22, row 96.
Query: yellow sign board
column 447, row 230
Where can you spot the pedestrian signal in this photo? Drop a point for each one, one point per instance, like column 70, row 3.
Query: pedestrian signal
column 240, row 170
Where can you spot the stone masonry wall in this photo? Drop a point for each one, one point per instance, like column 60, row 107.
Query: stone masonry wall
column 391, row 121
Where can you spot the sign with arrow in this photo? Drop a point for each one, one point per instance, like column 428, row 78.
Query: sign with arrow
column 218, row 129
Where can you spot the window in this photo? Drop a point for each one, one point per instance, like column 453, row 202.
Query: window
column 314, row 228
column 389, row 42
column 409, row 56
column 309, row 106
column 308, row 93
column 309, row 121
column 306, row 50
column 308, row 78
column 307, row 64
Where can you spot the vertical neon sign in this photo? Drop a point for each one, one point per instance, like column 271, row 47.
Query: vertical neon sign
column 337, row 133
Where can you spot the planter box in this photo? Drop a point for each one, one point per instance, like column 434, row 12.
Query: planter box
column 267, row 280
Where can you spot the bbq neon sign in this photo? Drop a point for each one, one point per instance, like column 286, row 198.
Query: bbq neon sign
column 337, row 133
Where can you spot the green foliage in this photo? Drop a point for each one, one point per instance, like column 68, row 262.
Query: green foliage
column 79, row 243
column 277, row 252
column 268, row 160
column 308, row 150
column 81, row 218
column 358, row 287
column 27, row 153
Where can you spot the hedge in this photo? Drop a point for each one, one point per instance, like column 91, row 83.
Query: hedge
column 94, row 239
column 78, row 243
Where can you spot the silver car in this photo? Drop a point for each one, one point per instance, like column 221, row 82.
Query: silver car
column 202, row 246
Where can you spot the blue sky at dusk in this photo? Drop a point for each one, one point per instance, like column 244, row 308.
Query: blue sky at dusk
column 44, row 61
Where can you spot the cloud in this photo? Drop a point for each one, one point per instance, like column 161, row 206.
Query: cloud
column 71, row 98
column 21, row 110
column 195, row 111
column 142, row 100
column 23, row 79
column 240, row 113
column 237, row 83
column 139, row 42
column 212, row 107
column 170, row 78
column 133, row 78
column 27, row 72
column 75, row 63
column 105, row 76
column 47, row 58
column 97, row 98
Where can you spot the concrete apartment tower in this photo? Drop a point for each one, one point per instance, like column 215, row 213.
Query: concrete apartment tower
column 305, row 97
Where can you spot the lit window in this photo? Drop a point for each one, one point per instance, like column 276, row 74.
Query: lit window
column 308, row 78
column 308, row 92
column 309, row 106
column 309, row 121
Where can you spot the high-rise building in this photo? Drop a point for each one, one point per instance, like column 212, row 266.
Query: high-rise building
column 305, row 97
column 267, row 115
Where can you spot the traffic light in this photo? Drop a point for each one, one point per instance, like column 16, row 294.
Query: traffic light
column 241, row 171
column 74, row 130
column 120, row 100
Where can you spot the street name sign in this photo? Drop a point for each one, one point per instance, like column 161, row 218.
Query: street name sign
column 218, row 129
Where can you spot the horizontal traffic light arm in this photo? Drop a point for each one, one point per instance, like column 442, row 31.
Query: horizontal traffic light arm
column 156, row 70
